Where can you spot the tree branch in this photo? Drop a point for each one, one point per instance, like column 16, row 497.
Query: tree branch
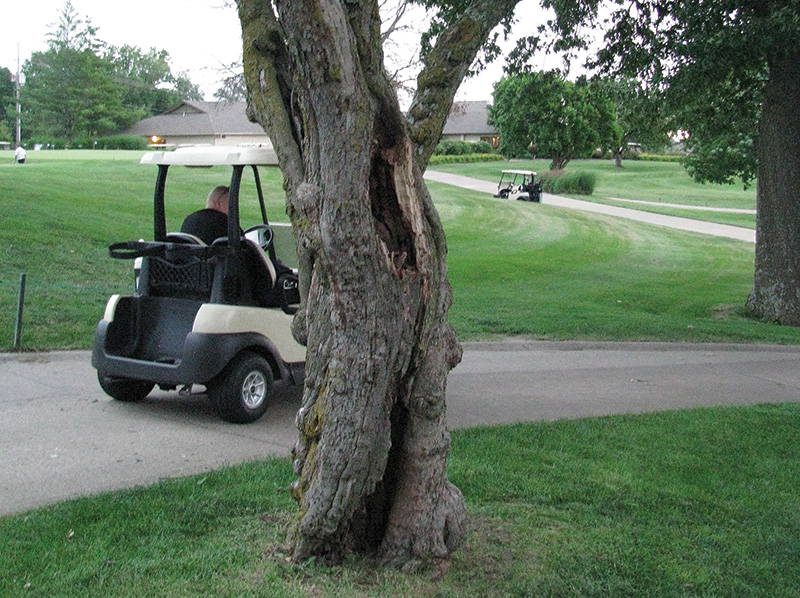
column 266, row 67
column 444, row 69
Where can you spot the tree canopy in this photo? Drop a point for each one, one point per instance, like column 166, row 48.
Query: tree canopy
column 81, row 88
column 640, row 114
column 544, row 114
column 708, row 60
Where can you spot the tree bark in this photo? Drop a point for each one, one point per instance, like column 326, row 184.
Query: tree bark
column 373, row 438
column 617, row 154
column 776, row 287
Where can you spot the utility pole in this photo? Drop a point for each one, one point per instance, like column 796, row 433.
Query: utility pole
column 19, row 108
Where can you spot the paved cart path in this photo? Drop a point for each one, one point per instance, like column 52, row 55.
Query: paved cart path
column 61, row 437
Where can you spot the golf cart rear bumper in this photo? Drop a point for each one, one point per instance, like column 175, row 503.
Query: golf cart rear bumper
column 203, row 357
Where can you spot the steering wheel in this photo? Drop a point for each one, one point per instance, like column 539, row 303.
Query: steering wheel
column 265, row 235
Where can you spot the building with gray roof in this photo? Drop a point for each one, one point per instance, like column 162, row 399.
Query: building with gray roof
column 469, row 121
column 226, row 123
column 201, row 123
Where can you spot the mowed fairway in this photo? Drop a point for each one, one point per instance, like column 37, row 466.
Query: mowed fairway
column 516, row 269
column 664, row 185
column 537, row 271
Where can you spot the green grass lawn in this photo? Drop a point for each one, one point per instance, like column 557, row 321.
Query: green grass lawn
column 690, row 503
column 517, row 269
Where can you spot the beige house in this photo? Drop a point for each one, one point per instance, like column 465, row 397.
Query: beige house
column 225, row 123
column 200, row 123
column 468, row 121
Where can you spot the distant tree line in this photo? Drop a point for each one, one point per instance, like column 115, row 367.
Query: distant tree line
column 82, row 88
column 7, row 105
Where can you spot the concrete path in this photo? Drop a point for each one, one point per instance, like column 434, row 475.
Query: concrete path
column 61, row 437
column 680, row 206
column 685, row 224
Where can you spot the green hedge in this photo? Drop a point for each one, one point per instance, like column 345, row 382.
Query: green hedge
column 464, row 158
column 122, row 142
column 573, row 183
column 456, row 147
column 659, row 158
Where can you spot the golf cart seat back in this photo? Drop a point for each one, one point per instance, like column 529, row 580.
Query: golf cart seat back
column 186, row 238
column 262, row 268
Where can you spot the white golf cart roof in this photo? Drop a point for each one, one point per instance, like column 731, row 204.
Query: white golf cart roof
column 518, row 172
column 214, row 155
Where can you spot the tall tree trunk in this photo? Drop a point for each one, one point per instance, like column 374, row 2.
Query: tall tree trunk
column 617, row 154
column 373, row 438
column 776, row 288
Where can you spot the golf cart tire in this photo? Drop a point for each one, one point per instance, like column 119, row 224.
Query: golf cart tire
column 241, row 392
column 124, row 389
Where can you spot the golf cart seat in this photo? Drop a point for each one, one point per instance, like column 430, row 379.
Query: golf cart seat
column 186, row 238
column 262, row 272
column 271, row 284
column 248, row 280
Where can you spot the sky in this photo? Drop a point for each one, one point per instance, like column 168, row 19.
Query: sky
column 201, row 36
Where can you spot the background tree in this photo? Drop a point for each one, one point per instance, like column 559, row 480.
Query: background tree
column 373, row 439
column 69, row 90
column 232, row 87
column 80, row 88
column 641, row 115
column 731, row 75
column 553, row 117
column 8, row 109
column 731, row 69
column 147, row 83
column 70, row 93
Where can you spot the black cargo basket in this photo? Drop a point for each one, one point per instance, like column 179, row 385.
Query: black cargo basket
column 188, row 278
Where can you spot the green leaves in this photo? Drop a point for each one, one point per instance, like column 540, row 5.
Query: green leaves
column 81, row 88
column 543, row 114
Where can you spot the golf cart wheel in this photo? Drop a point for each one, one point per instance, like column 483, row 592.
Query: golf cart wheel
column 241, row 392
column 124, row 389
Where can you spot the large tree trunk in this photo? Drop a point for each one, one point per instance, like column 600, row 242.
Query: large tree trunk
column 776, row 288
column 373, row 438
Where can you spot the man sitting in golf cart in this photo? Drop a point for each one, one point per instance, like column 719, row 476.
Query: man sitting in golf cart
column 212, row 222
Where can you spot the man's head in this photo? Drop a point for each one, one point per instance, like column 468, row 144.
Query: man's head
column 218, row 199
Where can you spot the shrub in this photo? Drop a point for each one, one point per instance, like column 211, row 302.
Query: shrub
column 549, row 180
column 659, row 157
column 463, row 159
column 122, row 142
column 482, row 147
column 456, row 147
column 574, row 183
column 113, row 142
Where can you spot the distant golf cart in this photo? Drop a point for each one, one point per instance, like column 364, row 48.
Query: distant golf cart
column 519, row 185
column 215, row 315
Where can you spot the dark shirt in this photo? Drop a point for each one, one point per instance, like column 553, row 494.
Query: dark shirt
column 207, row 224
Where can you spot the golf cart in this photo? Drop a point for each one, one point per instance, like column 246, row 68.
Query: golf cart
column 519, row 185
column 215, row 315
